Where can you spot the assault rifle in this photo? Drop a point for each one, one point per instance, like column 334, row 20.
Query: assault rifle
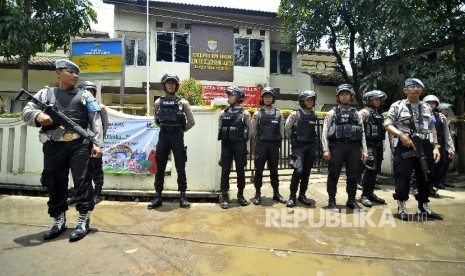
column 58, row 117
column 418, row 152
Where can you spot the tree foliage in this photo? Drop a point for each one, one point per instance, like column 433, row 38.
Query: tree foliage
column 31, row 26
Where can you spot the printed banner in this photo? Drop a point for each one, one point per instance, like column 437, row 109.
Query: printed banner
column 252, row 94
column 130, row 147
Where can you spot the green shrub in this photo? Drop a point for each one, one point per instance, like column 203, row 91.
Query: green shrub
column 191, row 90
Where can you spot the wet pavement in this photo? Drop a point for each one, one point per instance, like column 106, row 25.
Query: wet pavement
column 128, row 239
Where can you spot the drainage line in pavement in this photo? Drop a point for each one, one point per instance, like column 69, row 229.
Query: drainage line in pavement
column 254, row 247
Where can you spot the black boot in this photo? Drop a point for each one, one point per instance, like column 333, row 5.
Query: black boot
column 304, row 200
column 240, row 198
column 257, row 199
column 291, row 202
column 59, row 226
column 156, row 202
column 352, row 204
column 376, row 199
column 279, row 198
column 183, row 201
column 332, row 204
column 365, row 201
column 423, row 210
column 82, row 227
column 97, row 194
column 402, row 213
column 224, row 200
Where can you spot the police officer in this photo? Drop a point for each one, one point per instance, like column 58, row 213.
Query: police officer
column 446, row 145
column 301, row 128
column 374, row 136
column 406, row 117
column 95, row 164
column 267, row 128
column 64, row 149
column 174, row 117
column 444, row 109
column 343, row 142
column 233, row 131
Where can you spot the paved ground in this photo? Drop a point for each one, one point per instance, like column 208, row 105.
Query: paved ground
column 128, row 239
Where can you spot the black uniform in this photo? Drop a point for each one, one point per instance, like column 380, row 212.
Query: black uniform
column 233, row 133
column 374, row 135
column 267, row 147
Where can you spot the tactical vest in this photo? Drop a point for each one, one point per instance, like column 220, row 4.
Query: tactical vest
column 269, row 126
column 74, row 109
column 439, row 129
column 304, row 130
column 233, row 126
column 374, row 128
column 170, row 112
column 346, row 126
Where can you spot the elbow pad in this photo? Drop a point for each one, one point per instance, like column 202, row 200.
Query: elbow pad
column 92, row 105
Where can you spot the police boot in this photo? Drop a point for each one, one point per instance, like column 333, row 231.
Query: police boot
column 97, row 194
column 366, row 202
column 304, row 200
column 423, row 210
column 332, row 204
column 279, row 198
column 291, row 202
column 59, row 226
column 257, row 199
column 402, row 213
column 183, row 201
column 352, row 204
column 82, row 227
column 376, row 199
column 224, row 200
column 240, row 198
column 156, row 202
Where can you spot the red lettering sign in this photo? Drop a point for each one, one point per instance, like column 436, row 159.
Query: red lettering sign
column 252, row 94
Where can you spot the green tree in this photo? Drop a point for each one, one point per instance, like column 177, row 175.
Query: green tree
column 31, row 26
column 191, row 90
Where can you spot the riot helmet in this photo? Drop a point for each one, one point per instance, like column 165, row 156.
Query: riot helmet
column 432, row 98
column 373, row 94
column 234, row 90
column 268, row 90
column 305, row 95
column 89, row 86
column 170, row 76
column 345, row 87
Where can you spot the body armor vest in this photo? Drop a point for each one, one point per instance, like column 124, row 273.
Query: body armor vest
column 346, row 126
column 374, row 128
column 268, row 126
column 170, row 112
column 74, row 109
column 305, row 129
column 233, row 126
column 439, row 129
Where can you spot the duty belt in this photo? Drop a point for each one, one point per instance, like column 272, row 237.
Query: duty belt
column 68, row 137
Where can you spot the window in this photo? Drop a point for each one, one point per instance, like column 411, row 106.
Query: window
column 172, row 47
column 136, row 52
column 249, row 52
column 280, row 62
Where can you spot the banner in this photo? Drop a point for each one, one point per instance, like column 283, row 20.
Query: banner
column 252, row 94
column 130, row 147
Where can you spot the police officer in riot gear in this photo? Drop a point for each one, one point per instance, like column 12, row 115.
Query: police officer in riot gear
column 443, row 108
column 233, row 131
column 174, row 117
column 446, row 145
column 374, row 135
column 267, row 128
column 343, row 142
column 404, row 116
column 301, row 128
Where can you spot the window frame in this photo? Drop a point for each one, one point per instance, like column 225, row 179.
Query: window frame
column 279, row 62
column 137, row 48
column 173, row 44
column 249, row 52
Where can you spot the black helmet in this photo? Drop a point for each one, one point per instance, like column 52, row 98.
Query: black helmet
column 170, row 76
column 236, row 90
column 268, row 90
column 305, row 95
column 373, row 94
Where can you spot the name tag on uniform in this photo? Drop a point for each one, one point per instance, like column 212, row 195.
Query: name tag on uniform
column 274, row 122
